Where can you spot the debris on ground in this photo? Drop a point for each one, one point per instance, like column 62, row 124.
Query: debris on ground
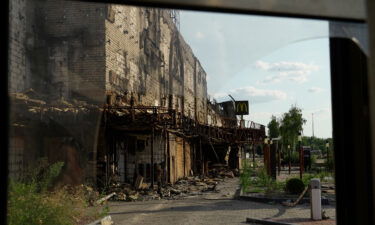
column 188, row 186
column 100, row 201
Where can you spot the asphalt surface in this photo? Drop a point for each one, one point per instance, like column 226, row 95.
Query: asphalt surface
column 210, row 208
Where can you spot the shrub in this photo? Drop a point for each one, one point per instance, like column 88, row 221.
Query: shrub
column 313, row 159
column 294, row 157
column 31, row 201
column 307, row 177
column 258, row 180
column 266, row 181
column 27, row 206
column 295, row 186
column 245, row 176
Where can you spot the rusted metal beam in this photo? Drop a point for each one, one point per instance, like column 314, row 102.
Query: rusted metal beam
column 169, row 157
column 152, row 157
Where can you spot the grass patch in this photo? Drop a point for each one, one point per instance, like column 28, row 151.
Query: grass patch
column 323, row 176
column 257, row 180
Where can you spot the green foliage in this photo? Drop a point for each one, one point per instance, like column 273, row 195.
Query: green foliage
column 294, row 157
column 318, row 143
column 322, row 176
column 291, row 124
column 48, row 178
column 307, row 177
column 295, row 186
column 31, row 200
column 245, row 176
column 258, row 180
column 313, row 159
column 27, row 206
column 264, row 180
column 273, row 128
column 42, row 174
column 270, row 185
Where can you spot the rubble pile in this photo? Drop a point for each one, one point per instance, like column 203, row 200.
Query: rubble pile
column 185, row 187
column 189, row 186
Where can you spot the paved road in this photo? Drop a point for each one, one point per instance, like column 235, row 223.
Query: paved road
column 210, row 208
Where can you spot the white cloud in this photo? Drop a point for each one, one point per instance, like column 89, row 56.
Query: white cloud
column 199, row 35
column 292, row 71
column 254, row 95
column 315, row 89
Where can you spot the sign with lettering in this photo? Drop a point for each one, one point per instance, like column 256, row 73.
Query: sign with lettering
column 242, row 107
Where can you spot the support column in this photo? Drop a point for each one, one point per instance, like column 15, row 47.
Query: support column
column 278, row 158
column 152, row 157
column 273, row 160
column 165, row 148
column 266, row 158
column 253, row 150
column 136, row 160
column 201, row 156
column 168, row 159
column 184, row 152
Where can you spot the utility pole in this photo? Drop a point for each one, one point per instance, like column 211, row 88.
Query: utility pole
column 312, row 124
column 312, row 137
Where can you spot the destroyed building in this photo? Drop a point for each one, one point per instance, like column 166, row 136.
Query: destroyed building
column 114, row 92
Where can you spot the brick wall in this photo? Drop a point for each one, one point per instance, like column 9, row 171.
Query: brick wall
column 17, row 39
column 146, row 56
column 87, row 50
column 74, row 34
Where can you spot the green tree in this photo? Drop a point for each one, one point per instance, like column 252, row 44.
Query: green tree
column 318, row 143
column 291, row 124
column 273, row 127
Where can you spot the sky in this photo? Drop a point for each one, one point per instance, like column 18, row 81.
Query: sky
column 272, row 62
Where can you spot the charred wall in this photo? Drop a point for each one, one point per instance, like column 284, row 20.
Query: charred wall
column 147, row 57
column 68, row 51
column 85, row 51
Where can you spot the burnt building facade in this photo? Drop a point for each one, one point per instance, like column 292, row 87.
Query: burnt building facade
column 114, row 91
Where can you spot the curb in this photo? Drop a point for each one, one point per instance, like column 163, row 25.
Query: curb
column 265, row 222
column 241, row 196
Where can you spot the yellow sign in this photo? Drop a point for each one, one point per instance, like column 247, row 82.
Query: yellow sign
column 242, row 107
